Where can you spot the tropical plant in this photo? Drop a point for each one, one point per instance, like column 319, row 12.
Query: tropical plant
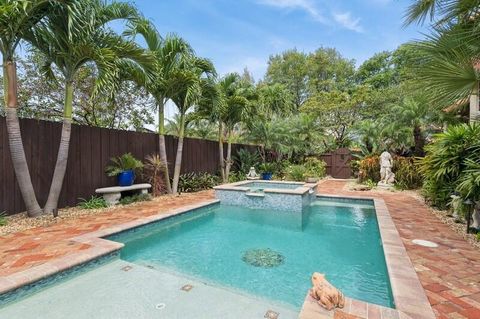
column 407, row 175
column 153, row 170
column 125, row 162
column 315, row 167
column 369, row 169
column 451, row 155
column 70, row 37
column 267, row 167
column 191, row 80
column 93, row 203
column 244, row 159
column 237, row 176
column 170, row 54
column 296, row 173
column 17, row 17
column 194, row 182
column 3, row 220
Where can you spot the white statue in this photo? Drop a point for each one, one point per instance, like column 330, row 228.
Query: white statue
column 252, row 174
column 387, row 176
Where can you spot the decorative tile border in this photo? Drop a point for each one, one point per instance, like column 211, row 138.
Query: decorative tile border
column 99, row 248
column 408, row 293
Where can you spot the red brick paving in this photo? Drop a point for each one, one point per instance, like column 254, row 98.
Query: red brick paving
column 24, row 250
column 450, row 274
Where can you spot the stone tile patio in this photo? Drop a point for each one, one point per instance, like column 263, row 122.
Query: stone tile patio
column 450, row 274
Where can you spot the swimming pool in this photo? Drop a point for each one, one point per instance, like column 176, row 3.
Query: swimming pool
column 270, row 254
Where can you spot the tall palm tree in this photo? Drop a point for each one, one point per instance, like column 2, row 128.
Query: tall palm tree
column 168, row 52
column 71, row 37
column 230, row 113
column 190, row 80
column 16, row 18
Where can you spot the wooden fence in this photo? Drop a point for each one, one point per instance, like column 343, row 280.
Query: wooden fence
column 90, row 151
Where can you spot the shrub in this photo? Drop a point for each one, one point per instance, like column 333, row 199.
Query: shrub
column 296, row 173
column 194, row 182
column 407, row 175
column 369, row 169
column 153, row 172
column 3, row 220
column 245, row 159
column 449, row 164
column 123, row 163
column 268, row 168
column 237, row 177
column 135, row 198
column 315, row 168
column 93, row 203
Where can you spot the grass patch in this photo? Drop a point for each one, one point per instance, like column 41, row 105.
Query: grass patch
column 93, row 203
column 3, row 219
column 135, row 198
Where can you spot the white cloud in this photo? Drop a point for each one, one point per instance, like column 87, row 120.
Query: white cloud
column 305, row 5
column 347, row 21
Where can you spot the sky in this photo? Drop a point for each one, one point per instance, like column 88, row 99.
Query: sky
column 236, row 34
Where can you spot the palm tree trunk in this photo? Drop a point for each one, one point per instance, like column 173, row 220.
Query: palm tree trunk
column 162, row 146
column 62, row 156
column 17, row 151
column 419, row 141
column 178, row 158
column 220, row 151
column 229, row 157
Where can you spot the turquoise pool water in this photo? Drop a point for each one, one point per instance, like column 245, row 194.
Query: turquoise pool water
column 216, row 245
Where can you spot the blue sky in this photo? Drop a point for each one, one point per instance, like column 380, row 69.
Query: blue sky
column 244, row 33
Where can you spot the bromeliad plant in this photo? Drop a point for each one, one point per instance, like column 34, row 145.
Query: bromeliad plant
column 124, row 167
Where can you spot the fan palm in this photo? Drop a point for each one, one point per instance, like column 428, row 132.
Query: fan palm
column 16, row 18
column 70, row 37
column 190, row 81
column 168, row 53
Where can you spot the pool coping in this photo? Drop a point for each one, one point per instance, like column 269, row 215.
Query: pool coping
column 99, row 247
column 302, row 188
column 409, row 296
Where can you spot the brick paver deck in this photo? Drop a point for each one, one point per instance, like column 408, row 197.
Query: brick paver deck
column 450, row 273
column 23, row 250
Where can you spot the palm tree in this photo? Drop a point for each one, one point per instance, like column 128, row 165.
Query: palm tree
column 168, row 53
column 190, row 80
column 16, row 18
column 442, row 11
column 230, row 113
column 71, row 37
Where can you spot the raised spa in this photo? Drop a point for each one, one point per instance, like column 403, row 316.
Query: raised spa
column 284, row 196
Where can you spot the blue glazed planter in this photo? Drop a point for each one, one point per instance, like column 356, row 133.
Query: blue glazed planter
column 126, row 178
column 267, row 176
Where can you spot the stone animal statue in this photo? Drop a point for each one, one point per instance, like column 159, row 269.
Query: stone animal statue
column 326, row 295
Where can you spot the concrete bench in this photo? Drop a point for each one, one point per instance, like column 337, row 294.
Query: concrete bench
column 112, row 195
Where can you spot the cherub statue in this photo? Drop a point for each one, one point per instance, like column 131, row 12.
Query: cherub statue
column 386, row 174
column 252, row 174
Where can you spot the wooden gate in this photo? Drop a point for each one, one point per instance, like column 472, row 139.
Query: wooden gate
column 338, row 163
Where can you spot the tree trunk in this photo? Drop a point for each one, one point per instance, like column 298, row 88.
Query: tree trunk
column 62, row 156
column 178, row 158
column 229, row 157
column 220, row 151
column 161, row 144
column 17, row 151
column 419, row 141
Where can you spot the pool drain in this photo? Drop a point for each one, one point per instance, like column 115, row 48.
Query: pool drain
column 425, row 243
column 265, row 258
column 160, row 306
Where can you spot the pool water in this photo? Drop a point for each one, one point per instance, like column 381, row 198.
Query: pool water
column 270, row 254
